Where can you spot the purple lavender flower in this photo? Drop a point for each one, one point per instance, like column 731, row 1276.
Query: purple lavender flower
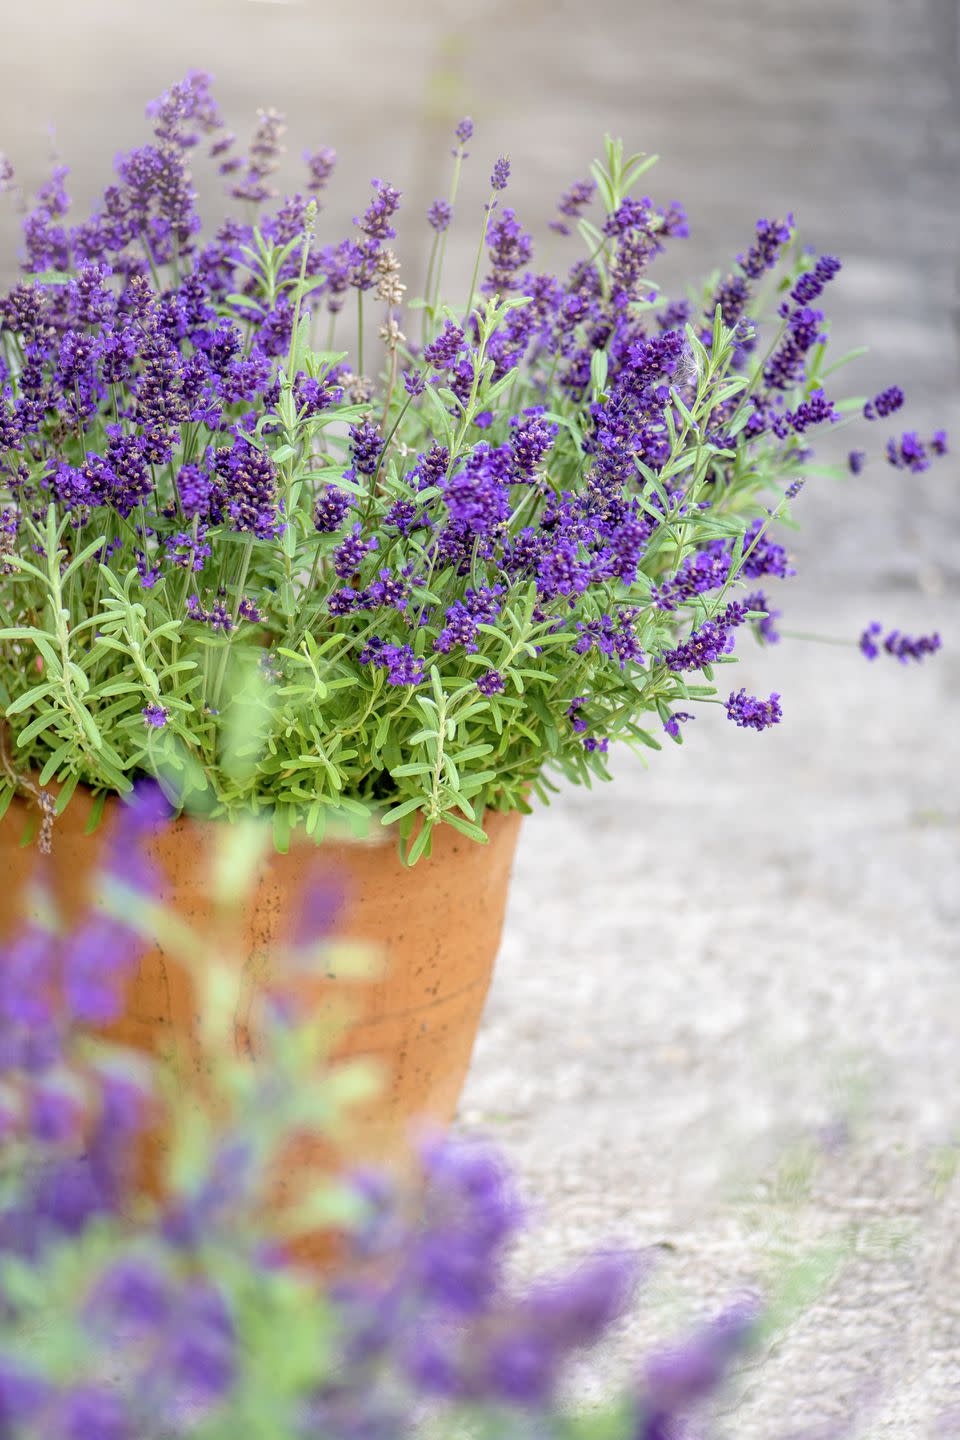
column 218, row 617
column 939, row 443
column 320, row 166
column 810, row 285
column 612, row 637
column 403, row 516
column 125, row 478
column 855, row 461
column 764, row 628
column 155, row 716
column 478, row 495
column 787, row 366
column 345, row 600
column 55, row 1114
column 491, row 682
column 572, row 202
column 375, row 222
column 908, row 453
column 203, row 1359
column 572, row 713
column 351, row 552
column 733, row 296
column 510, row 246
column 388, row 590
column 248, row 610
column 366, row 446
column 431, row 467
column 596, row 744
column 403, row 667
column 772, row 236
column 464, row 131
column 262, row 159
column 132, row 1293
column 463, row 617
column 815, row 410
column 95, row 961
column 442, row 352
column 884, row 404
column 766, row 556
column 92, row 1412
column 414, row 383
column 902, row 647
column 501, row 173
column 439, row 215
column 704, row 646
column 684, row 1375
column 248, row 477
column 530, row 440
column 331, row 509
column 186, row 551
column 672, row 725
column 750, row 712
column 91, row 300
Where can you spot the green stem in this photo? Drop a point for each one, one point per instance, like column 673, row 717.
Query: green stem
column 310, row 220
column 818, row 639
column 441, row 256
column 488, row 211
column 238, row 596
column 427, row 287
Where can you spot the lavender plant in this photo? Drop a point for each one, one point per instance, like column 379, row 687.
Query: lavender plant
column 235, row 559
column 186, row 1316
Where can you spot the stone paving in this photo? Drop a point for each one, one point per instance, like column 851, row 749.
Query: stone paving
column 725, row 1022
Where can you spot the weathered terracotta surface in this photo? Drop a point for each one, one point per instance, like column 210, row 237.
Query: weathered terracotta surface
column 437, row 925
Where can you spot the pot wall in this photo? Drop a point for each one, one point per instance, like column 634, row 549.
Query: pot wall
column 437, row 927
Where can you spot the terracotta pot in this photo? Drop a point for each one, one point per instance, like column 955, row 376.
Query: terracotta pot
column 437, row 925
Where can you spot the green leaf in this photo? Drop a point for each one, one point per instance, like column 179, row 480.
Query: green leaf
column 29, row 697
column 85, row 554
column 96, row 812
column 466, row 827
column 472, row 752
column 421, row 844
column 43, row 722
column 66, row 792
column 398, row 811
column 598, row 372
column 90, row 727
column 55, row 761
column 281, row 829
column 636, row 166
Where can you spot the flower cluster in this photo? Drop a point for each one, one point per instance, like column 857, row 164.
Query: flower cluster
column 753, row 713
column 563, row 497
column 902, row 647
column 184, row 1316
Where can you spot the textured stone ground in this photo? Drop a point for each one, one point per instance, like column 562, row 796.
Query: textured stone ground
column 727, row 1013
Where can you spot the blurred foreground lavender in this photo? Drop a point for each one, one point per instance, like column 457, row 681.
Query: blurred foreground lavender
column 124, row 1318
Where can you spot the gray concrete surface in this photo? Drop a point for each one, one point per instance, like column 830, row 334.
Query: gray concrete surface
column 711, row 965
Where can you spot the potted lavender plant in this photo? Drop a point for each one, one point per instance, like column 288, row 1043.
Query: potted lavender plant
column 236, row 562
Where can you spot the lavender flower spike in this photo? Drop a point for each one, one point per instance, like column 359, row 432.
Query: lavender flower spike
column 501, row 173
column 902, row 647
column 752, row 713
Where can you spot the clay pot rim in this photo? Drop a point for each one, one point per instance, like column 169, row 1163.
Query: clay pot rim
column 339, row 836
